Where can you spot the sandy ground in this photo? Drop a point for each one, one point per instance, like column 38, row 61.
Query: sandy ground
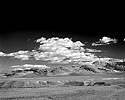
column 113, row 92
column 64, row 93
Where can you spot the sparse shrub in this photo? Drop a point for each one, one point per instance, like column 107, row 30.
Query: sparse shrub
column 120, row 63
column 1, row 83
column 18, row 84
column 31, row 85
column 9, row 74
column 8, row 84
column 122, row 85
column 104, row 69
column 75, row 74
column 51, row 83
column 74, row 83
column 120, row 66
column 88, row 68
column 100, row 84
column 42, row 72
column 87, row 82
column 17, row 71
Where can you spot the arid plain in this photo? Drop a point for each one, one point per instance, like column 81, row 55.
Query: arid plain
column 97, row 87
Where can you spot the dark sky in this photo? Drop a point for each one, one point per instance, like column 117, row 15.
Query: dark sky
column 22, row 38
column 19, row 28
column 21, row 35
column 13, row 35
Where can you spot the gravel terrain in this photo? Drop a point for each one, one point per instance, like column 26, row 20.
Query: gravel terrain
column 63, row 88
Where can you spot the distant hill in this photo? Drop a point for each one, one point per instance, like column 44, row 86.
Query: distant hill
column 97, row 67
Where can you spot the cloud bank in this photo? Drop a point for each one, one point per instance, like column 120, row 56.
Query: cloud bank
column 55, row 44
column 92, row 50
column 22, row 55
column 105, row 41
column 58, row 50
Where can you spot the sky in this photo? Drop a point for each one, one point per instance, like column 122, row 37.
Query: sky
column 98, row 30
column 55, row 46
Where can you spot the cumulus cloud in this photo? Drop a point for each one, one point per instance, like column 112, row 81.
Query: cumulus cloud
column 54, row 44
column 59, row 50
column 2, row 54
column 22, row 55
column 92, row 50
column 105, row 41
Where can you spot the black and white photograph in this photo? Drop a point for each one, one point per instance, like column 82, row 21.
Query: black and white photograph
column 64, row 59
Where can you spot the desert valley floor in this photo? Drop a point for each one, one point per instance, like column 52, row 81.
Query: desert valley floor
column 99, row 87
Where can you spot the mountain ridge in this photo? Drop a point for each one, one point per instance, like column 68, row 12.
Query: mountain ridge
column 97, row 67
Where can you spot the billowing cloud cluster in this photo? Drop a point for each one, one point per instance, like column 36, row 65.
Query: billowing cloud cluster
column 57, row 50
column 105, row 41
column 57, row 44
column 22, row 55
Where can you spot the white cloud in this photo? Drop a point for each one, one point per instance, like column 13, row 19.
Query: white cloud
column 92, row 50
column 2, row 54
column 22, row 55
column 105, row 41
column 57, row 50
column 56, row 43
column 124, row 40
